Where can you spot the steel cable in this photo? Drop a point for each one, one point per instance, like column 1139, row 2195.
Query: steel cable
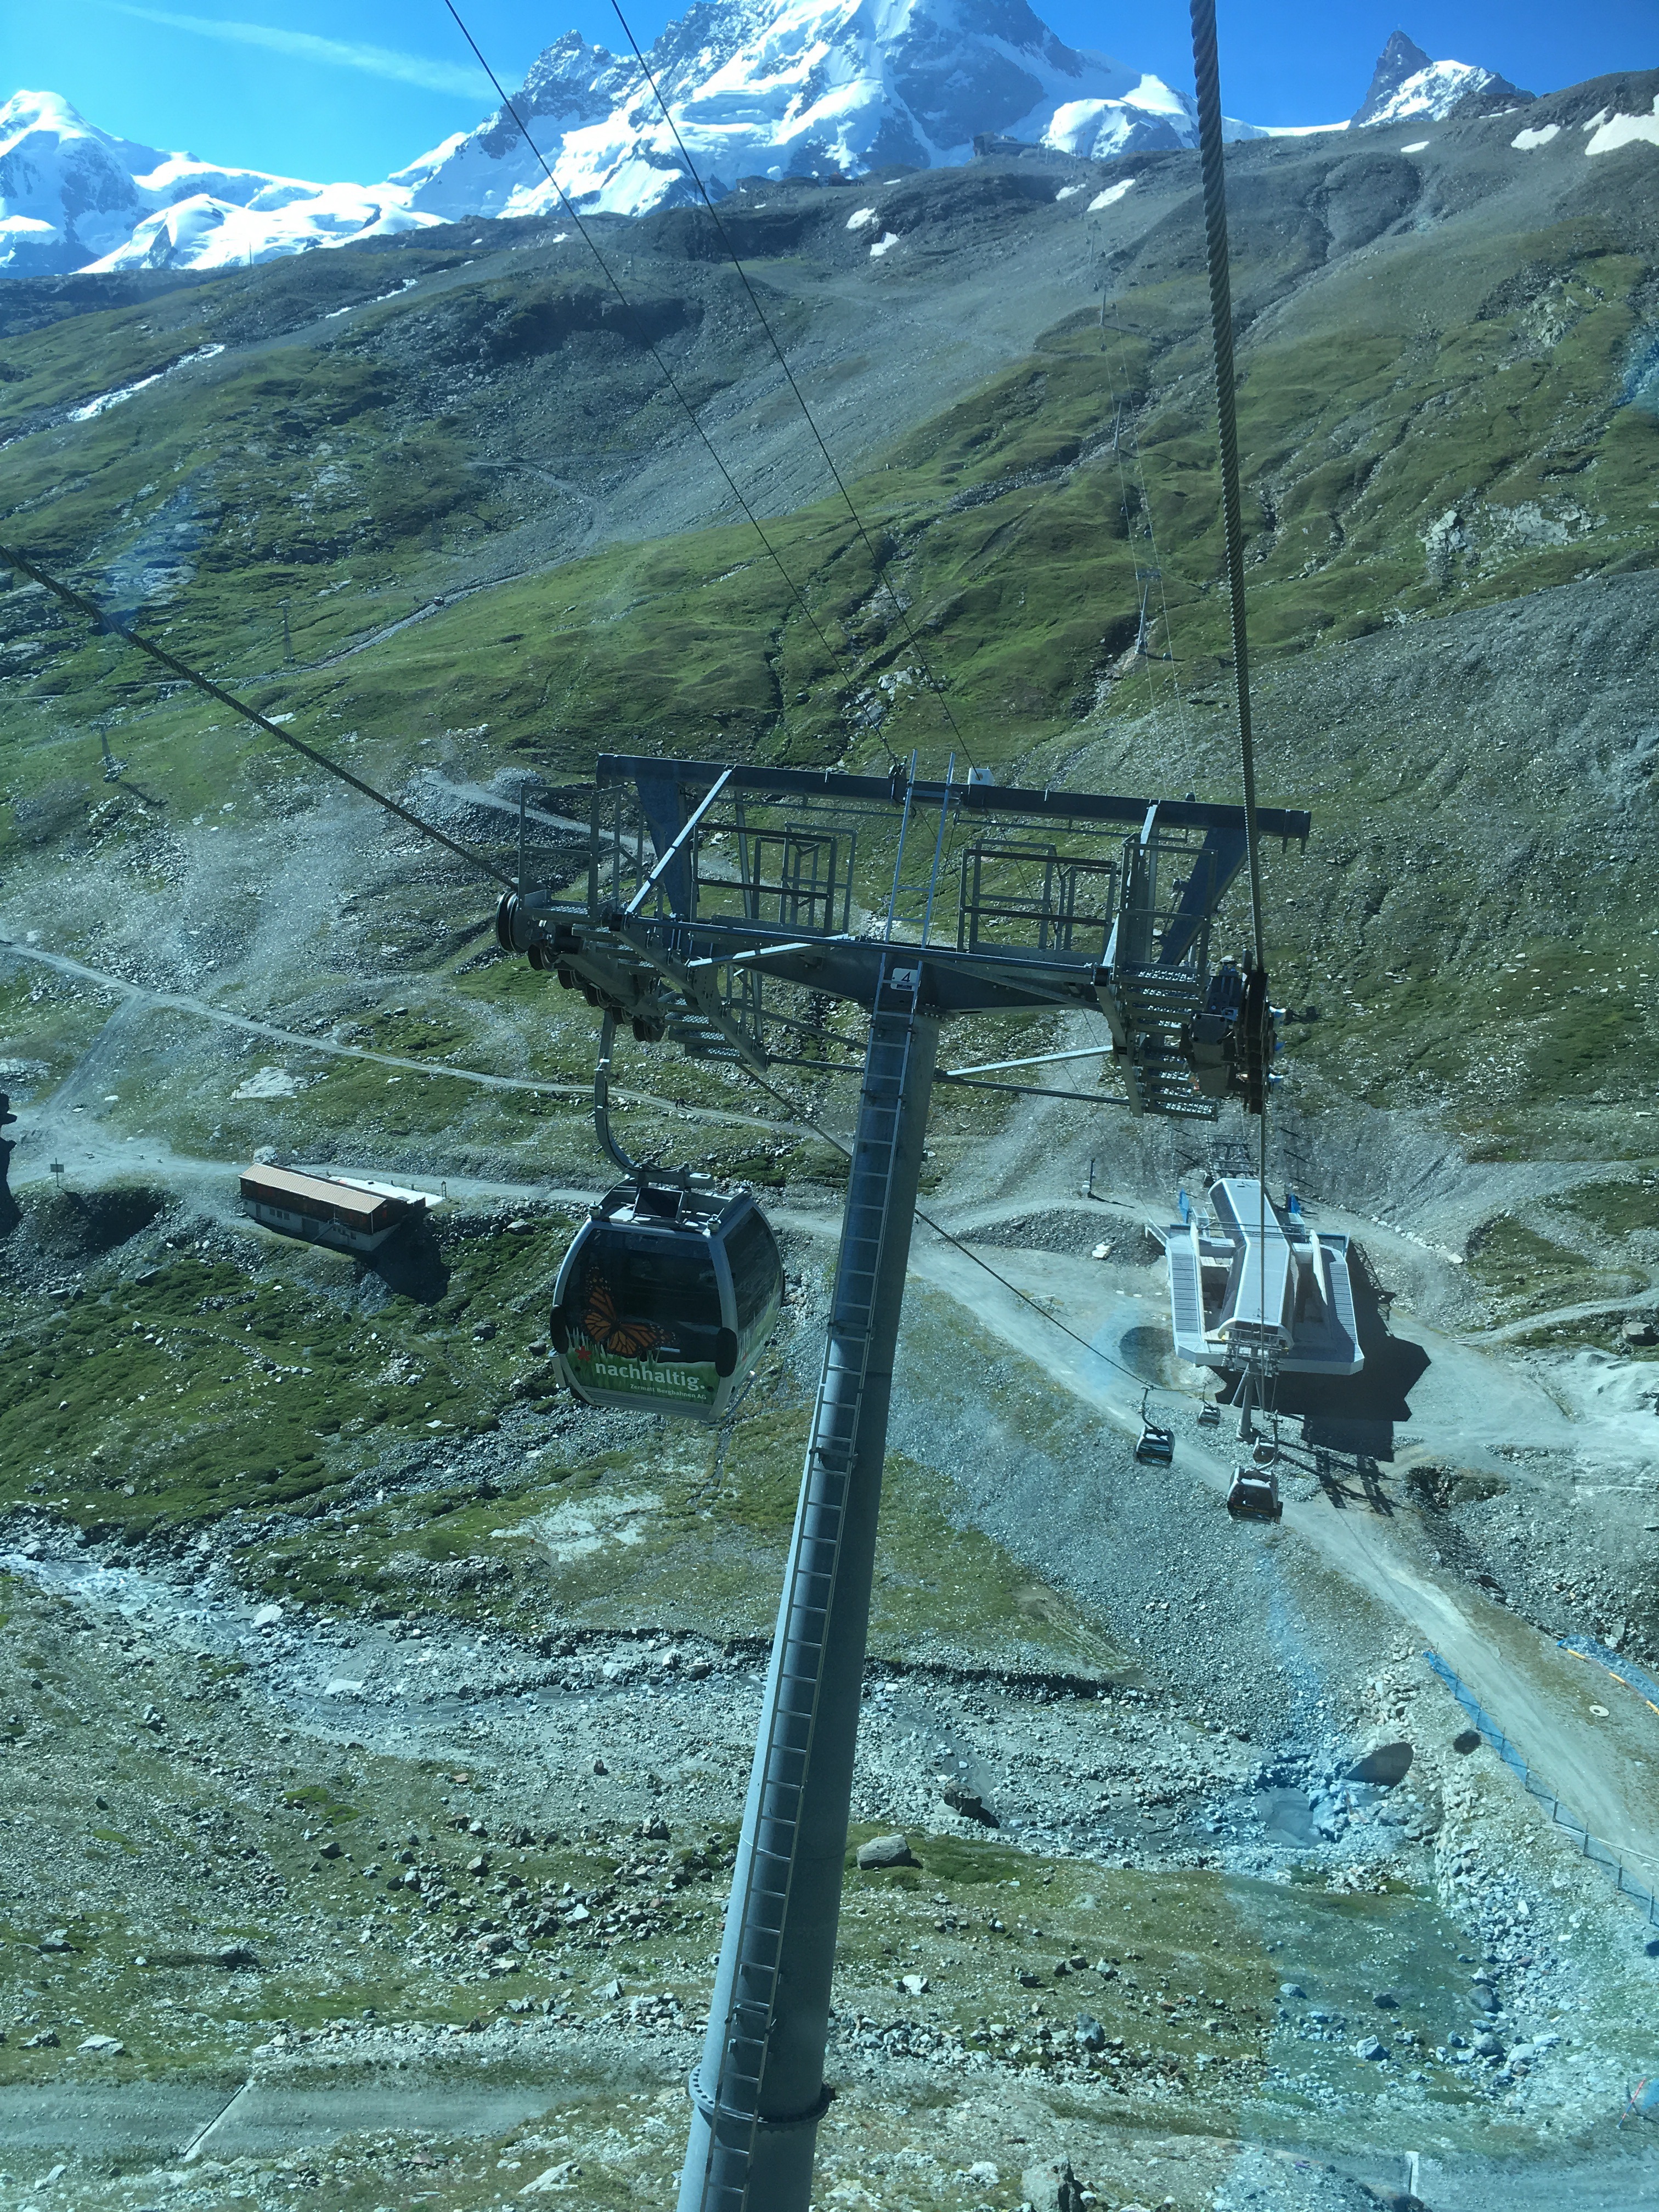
column 189, row 675
column 668, row 376
column 1206, row 70
column 789, row 375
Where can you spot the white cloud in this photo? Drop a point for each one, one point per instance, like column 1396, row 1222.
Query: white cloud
column 464, row 80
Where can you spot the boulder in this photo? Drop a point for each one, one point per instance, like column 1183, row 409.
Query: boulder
column 885, row 1851
column 969, row 1804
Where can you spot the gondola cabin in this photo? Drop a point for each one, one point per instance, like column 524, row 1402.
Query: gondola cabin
column 664, row 1296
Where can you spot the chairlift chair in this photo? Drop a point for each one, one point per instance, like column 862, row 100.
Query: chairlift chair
column 1157, row 1443
column 1209, row 1414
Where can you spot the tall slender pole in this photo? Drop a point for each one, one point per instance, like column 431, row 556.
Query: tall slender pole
column 758, row 2092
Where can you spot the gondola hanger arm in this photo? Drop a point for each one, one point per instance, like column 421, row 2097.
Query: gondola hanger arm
column 667, row 859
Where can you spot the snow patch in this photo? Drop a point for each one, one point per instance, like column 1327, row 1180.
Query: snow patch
column 884, row 244
column 108, row 399
column 1110, row 196
column 1417, row 146
column 1524, row 141
column 1148, row 116
column 860, row 217
column 578, row 1528
column 1068, row 191
column 1626, row 130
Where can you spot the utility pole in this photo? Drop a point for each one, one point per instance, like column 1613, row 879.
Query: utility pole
column 758, row 2092
column 288, row 643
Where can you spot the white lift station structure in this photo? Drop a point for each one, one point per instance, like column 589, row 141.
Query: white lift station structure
column 1254, row 1286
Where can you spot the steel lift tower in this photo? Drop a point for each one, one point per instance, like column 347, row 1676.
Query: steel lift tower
column 773, row 893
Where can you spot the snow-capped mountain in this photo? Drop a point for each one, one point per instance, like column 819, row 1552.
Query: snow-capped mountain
column 73, row 197
column 1410, row 87
column 806, row 87
column 758, row 88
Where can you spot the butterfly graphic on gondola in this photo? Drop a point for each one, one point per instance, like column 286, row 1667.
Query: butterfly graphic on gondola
column 623, row 1339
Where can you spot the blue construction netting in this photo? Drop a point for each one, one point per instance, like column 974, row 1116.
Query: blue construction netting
column 1590, row 1846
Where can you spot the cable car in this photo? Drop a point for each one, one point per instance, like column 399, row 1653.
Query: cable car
column 1254, row 1495
column 1157, row 1442
column 665, row 1295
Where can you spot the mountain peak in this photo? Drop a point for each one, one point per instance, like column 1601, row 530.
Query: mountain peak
column 757, row 88
column 1402, row 58
column 795, row 88
column 1409, row 85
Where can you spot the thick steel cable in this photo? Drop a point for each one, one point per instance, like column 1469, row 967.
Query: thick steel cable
column 789, row 374
column 668, row 376
column 182, row 669
column 1208, row 69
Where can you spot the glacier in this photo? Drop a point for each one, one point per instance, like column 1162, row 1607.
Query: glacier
column 73, row 197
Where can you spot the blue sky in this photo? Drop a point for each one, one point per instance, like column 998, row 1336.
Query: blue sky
column 353, row 89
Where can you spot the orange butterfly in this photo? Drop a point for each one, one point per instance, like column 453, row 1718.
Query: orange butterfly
column 605, row 1325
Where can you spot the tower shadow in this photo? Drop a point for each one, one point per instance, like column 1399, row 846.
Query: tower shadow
column 9, row 1214
column 1355, row 1415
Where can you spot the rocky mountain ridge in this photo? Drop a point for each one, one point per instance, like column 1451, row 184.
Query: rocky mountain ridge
column 763, row 89
column 1409, row 85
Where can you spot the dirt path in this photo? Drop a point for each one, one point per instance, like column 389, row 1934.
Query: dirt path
column 49, row 1115
column 172, row 2118
column 1508, row 1331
